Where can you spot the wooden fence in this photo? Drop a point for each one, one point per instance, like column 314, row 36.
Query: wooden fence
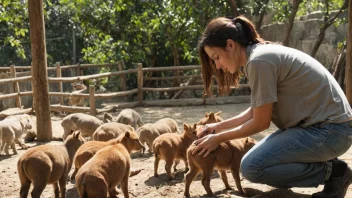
column 92, row 96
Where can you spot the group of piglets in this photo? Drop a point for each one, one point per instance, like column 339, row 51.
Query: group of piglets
column 104, row 162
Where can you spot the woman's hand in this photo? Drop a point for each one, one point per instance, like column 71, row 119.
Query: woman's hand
column 209, row 129
column 206, row 145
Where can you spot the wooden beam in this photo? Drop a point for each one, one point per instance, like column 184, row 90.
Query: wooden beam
column 173, row 77
column 171, row 68
column 92, row 100
column 39, row 70
column 97, row 96
column 185, row 88
column 83, row 66
column 140, row 83
column 18, row 79
column 16, row 87
column 58, row 74
column 63, row 67
column 75, row 109
column 197, row 101
column 348, row 69
column 87, row 77
column 14, row 95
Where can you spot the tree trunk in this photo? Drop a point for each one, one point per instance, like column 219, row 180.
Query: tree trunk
column 319, row 41
column 176, row 63
column 291, row 20
column 348, row 71
column 233, row 8
column 39, row 70
column 341, row 60
column 262, row 11
column 324, row 27
column 176, row 55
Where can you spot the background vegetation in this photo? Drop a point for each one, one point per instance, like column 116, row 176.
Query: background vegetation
column 153, row 32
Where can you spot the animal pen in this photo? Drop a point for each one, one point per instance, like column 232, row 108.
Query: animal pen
column 140, row 90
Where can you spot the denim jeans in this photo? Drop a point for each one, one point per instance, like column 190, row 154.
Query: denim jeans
column 297, row 157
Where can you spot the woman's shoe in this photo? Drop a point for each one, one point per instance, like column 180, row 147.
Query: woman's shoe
column 336, row 187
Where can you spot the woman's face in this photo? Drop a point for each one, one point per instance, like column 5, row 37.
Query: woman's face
column 229, row 59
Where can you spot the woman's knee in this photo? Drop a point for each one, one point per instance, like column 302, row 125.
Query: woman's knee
column 250, row 169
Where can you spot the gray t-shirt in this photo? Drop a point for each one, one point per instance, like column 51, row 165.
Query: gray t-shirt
column 302, row 90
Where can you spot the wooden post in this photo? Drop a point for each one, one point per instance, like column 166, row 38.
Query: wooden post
column 140, row 83
column 92, row 100
column 59, row 74
column 78, row 69
column 121, row 67
column 39, row 70
column 73, row 46
column 16, row 87
column 348, row 69
column 32, row 86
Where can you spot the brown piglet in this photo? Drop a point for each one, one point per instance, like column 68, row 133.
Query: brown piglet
column 148, row 132
column 48, row 164
column 172, row 148
column 88, row 150
column 109, row 167
column 227, row 156
column 210, row 118
column 111, row 130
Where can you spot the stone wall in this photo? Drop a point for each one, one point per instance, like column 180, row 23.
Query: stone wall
column 305, row 33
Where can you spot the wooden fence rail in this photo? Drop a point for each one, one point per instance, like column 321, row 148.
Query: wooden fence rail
column 82, row 66
column 140, row 72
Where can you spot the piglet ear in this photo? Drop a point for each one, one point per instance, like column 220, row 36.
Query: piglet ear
column 127, row 134
column 218, row 113
column 185, row 126
column 195, row 125
column 206, row 114
column 247, row 140
column 77, row 134
column 108, row 117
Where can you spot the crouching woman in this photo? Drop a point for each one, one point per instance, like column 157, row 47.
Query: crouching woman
column 289, row 88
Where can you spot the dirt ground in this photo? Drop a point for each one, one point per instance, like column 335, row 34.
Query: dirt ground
column 145, row 184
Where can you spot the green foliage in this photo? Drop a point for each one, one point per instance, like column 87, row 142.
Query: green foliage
column 108, row 31
column 13, row 29
column 309, row 6
column 281, row 9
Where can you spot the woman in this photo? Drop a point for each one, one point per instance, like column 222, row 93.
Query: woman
column 289, row 88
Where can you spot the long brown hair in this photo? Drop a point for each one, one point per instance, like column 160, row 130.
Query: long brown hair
column 217, row 31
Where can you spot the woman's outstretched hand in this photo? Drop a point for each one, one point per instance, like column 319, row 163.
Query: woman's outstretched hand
column 206, row 144
column 209, row 129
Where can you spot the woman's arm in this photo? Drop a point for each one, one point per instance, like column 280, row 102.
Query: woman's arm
column 237, row 120
column 260, row 121
column 226, row 124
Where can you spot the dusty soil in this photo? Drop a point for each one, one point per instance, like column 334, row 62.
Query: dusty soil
column 145, row 184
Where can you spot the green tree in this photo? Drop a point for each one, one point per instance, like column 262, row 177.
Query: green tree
column 13, row 31
column 328, row 21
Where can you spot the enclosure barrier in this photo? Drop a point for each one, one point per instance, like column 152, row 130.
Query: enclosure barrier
column 92, row 96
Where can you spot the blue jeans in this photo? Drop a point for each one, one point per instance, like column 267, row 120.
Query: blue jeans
column 297, row 157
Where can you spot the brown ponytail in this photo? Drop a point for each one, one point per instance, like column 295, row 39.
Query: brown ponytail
column 218, row 30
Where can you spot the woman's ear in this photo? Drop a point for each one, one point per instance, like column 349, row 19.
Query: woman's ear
column 230, row 44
